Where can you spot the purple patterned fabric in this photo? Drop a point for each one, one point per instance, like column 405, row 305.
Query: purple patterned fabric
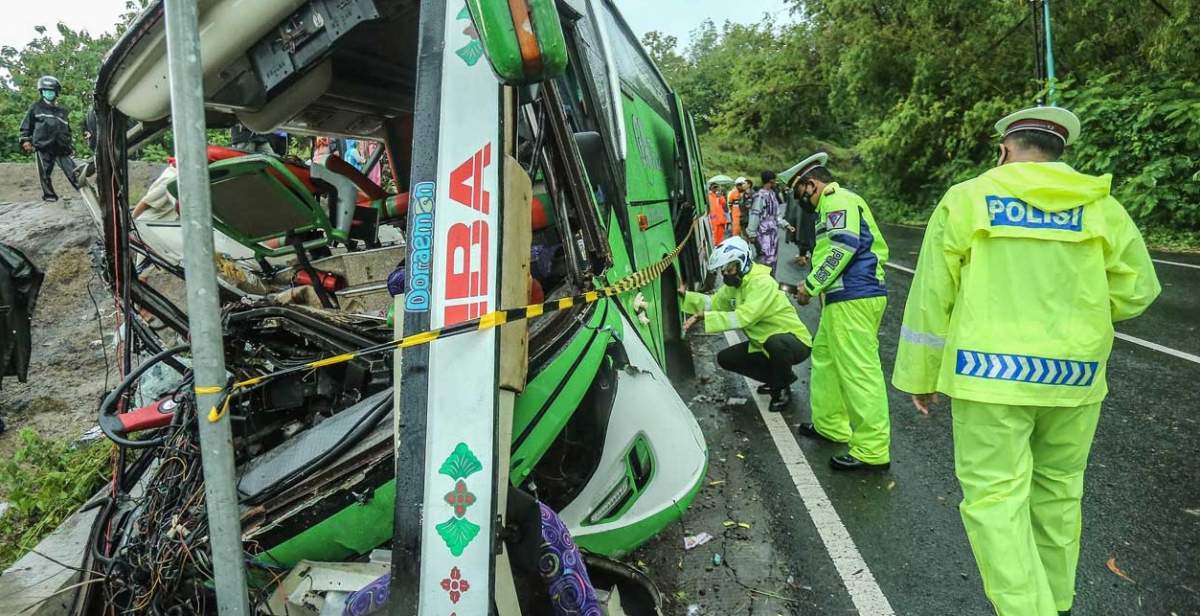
column 396, row 282
column 563, row 570
column 767, row 239
column 560, row 565
column 369, row 599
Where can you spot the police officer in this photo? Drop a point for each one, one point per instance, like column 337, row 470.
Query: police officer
column 1022, row 273
column 752, row 302
column 847, row 393
column 46, row 133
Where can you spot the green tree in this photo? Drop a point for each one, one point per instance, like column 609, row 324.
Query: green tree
column 912, row 88
column 73, row 57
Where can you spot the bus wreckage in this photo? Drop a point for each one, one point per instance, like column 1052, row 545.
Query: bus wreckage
column 535, row 154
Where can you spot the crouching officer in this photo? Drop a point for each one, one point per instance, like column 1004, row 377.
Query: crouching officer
column 752, row 302
column 848, row 394
column 46, row 133
column 1022, row 273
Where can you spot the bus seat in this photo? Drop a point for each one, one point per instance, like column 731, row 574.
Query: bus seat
column 256, row 198
column 342, row 209
column 540, row 218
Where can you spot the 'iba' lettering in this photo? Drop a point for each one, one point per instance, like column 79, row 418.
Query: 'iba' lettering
column 468, row 249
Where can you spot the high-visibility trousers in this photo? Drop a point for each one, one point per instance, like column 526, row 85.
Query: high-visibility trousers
column 1021, row 471
column 847, row 392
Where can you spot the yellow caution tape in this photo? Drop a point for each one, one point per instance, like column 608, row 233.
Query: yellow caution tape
column 488, row 321
column 214, row 415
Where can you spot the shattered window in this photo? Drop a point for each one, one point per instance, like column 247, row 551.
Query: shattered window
column 635, row 69
column 589, row 38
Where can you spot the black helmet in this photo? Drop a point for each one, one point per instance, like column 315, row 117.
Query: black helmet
column 48, row 82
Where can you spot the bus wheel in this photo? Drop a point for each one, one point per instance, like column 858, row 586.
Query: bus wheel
column 679, row 357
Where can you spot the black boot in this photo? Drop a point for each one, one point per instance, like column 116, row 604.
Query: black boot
column 809, row 430
column 780, row 399
column 851, row 463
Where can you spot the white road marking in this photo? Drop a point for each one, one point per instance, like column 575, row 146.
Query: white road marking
column 1195, row 359
column 1191, row 265
column 864, row 592
column 1154, row 346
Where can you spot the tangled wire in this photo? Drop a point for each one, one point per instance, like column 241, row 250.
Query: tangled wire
column 162, row 563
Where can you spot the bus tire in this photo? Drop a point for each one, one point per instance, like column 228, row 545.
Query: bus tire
column 678, row 355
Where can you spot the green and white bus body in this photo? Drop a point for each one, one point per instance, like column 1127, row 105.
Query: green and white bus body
column 597, row 430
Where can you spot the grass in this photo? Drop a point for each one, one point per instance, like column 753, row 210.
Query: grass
column 1172, row 240
column 44, row 482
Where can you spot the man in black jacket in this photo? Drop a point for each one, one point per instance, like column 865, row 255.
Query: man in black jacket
column 47, row 134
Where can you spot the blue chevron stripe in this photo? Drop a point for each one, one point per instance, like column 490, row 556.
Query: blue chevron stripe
column 1042, row 370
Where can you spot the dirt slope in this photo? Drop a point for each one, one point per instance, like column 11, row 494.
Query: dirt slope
column 71, row 344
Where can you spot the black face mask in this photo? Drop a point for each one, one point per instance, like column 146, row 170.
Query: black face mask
column 806, row 201
column 733, row 280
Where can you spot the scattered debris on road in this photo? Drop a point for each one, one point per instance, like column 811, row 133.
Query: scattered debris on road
column 695, row 541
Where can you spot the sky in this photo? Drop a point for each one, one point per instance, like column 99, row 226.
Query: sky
column 675, row 17
column 679, row 17
column 20, row 17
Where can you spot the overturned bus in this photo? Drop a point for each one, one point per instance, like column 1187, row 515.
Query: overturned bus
column 525, row 166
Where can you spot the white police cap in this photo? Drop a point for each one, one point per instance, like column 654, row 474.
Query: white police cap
column 801, row 169
column 1054, row 120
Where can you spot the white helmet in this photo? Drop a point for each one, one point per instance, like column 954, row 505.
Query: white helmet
column 732, row 250
column 741, row 180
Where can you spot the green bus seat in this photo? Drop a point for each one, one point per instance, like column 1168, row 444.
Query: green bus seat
column 256, row 199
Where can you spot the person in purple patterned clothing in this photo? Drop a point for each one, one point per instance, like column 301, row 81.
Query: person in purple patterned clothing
column 559, row 564
column 767, row 216
column 563, row 570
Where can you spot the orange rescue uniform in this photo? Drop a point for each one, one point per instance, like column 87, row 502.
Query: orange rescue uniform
column 717, row 218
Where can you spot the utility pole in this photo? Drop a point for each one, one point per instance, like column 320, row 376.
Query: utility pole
column 204, row 309
column 1051, row 95
column 1043, row 49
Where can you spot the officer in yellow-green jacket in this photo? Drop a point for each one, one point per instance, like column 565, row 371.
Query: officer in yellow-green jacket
column 847, row 391
column 1022, row 273
column 751, row 301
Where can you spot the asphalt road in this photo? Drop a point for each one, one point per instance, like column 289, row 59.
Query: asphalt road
column 1141, row 502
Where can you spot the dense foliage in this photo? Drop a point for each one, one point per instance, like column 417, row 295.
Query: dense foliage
column 73, row 57
column 902, row 92
column 911, row 89
column 44, row 482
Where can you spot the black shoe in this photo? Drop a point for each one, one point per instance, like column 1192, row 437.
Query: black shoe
column 851, row 463
column 49, row 198
column 763, row 389
column 780, row 399
column 809, row 430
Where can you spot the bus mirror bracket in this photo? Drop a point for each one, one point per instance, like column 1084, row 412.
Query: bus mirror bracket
column 522, row 39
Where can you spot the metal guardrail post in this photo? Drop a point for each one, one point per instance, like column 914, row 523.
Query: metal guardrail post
column 204, row 310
